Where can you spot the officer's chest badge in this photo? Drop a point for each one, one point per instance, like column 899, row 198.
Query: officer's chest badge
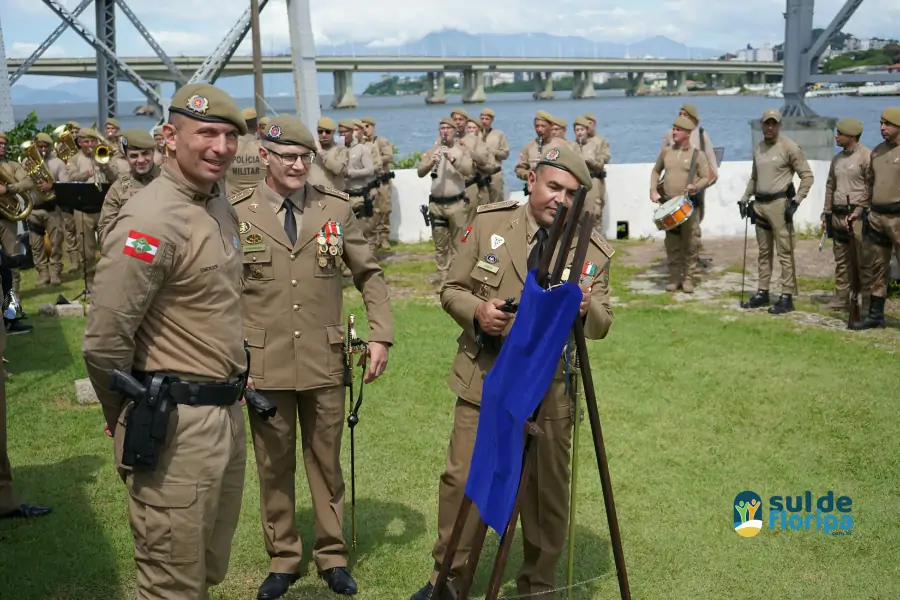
column 244, row 227
column 254, row 238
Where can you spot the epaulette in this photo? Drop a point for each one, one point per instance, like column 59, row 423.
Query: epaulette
column 333, row 192
column 234, row 199
column 604, row 246
column 126, row 181
column 497, row 206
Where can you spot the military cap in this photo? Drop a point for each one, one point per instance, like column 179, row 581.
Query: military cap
column 772, row 113
column 206, row 102
column 460, row 112
column 488, row 113
column 289, row 131
column 589, row 117
column 88, row 132
column 326, row 123
column 850, row 127
column 892, row 115
column 448, row 121
column 74, row 124
column 43, row 137
column 691, row 110
column 368, row 120
column 543, row 115
column 264, row 121
column 3, row 137
column 249, row 113
column 114, row 123
column 559, row 121
column 582, row 121
column 358, row 123
column 346, row 124
column 137, row 139
column 474, row 120
column 567, row 159
column 684, row 123
column 157, row 130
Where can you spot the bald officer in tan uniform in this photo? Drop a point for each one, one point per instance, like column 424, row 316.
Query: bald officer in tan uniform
column 47, row 218
column 591, row 151
column 845, row 190
column 882, row 220
column 139, row 147
column 12, row 171
column 544, row 140
column 83, row 168
column 449, row 166
column 246, row 170
column 776, row 159
column 383, row 204
column 330, row 166
column 167, row 301
column 292, row 234
column 675, row 161
column 498, row 147
column 492, row 266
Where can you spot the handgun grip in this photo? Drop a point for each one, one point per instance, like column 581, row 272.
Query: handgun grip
column 123, row 383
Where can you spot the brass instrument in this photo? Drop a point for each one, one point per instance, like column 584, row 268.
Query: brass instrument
column 102, row 154
column 19, row 206
column 37, row 170
column 63, row 135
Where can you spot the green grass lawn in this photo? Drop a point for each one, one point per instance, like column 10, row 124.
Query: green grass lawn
column 696, row 407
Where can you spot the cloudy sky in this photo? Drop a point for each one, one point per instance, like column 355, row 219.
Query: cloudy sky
column 194, row 28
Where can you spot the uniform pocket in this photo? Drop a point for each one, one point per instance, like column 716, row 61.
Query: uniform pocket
column 486, row 282
column 256, row 344
column 166, row 521
column 463, row 368
column 335, row 335
column 258, row 265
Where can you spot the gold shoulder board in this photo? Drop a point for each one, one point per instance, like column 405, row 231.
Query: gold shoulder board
column 234, row 199
column 604, row 246
column 497, row 206
column 332, row 192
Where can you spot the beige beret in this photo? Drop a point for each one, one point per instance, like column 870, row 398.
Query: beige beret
column 88, row 132
column 559, row 121
column 565, row 158
column 74, row 124
column 137, row 139
column 114, row 123
column 691, row 110
column 157, row 130
column 582, row 121
column 475, row 121
column 368, row 120
column 346, row 124
column 850, row 127
column 460, row 112
column 684, row 123
column 289, row 131
column 448, row 121
column 263, row 121
column 892, row 115
column 249, row 114
column 206, row 102
column 543, row 115
column 326, row 123
column 3, row 137
column 590, row 117
column 43, row 137
column 488, row 112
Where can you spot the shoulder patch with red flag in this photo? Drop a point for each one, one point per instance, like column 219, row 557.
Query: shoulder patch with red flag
column 141, row 246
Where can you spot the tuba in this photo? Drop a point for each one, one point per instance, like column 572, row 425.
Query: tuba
column 34, row 165
column 63, row 135
column 15, row 207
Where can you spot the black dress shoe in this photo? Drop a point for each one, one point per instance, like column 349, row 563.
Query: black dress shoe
column 760, row 298
column 339, row 581
column 424, row 593
column 784, row 305
column 276, row 585
column 27, row 511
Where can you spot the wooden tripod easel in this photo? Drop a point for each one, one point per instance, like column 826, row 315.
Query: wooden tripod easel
column 533, row 430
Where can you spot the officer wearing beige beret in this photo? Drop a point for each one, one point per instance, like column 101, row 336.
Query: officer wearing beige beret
column 139, row 147
column 591, row 150
column 534, row 149
column 330, row 167
column 383, row 204
column 498, row 147
column 292, row 235
column 47, row 218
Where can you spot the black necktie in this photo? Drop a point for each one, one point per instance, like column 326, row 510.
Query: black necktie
column 290, row 222
column 540, row 241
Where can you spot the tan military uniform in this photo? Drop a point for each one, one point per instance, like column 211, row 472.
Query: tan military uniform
column 9, row 498
column 498, row 150
column 125, row 187
column 846, row 189
column 360, row 173
column 681, row 251
column 13, row 171
column 47, row 218
column 70, row 233
column 446, row 203
column 545, row 504
column 247, row 169
column 774, row 166
column 79, row 170
column 293, row 315
column 595, row 151
column 482, row 163
column 383, row 204
column 175, row 308
column 883, row 203
column 706, row 147
column 330, row 167
column 531, row 153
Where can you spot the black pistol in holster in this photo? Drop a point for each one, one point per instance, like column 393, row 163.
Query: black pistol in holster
column 829, row 230
column 493, row 343
column 368, row 205
column 426, row 214
column 743, row 208
column 148, row 421
column 257, row 401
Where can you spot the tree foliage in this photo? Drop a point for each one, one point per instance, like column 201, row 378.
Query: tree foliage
column 25, row 129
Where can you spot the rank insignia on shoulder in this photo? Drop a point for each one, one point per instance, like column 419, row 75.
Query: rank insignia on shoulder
column 497, row 206
column 235, row 198
column 604, row 246
column 244, row 227
column 332, row 192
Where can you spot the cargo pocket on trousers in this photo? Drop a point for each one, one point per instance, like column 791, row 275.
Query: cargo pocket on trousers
column 169, row 522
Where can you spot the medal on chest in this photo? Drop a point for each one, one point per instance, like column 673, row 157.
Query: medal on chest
column 329, row 244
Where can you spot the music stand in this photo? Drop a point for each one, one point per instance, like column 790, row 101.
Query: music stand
column 84, row 198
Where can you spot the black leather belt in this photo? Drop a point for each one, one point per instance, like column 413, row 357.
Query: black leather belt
column 766, row 198
column 886, row 209
column 446, row 199
column 200, row 393
column 842, row 209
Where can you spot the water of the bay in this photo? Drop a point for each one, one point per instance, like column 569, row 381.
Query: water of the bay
column 633, row 126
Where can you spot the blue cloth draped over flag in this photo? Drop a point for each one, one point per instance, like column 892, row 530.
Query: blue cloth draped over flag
column 513, row 389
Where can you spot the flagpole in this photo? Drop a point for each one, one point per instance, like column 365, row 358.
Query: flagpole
column 573, row 490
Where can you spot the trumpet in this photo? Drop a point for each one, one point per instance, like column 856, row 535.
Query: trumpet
column 14, row 207
column 63, row 135
column 102, row 154
column 37, row 170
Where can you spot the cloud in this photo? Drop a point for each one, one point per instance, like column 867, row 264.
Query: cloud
column 24, row 50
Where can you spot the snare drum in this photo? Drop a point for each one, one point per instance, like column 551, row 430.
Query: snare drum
column 673, row 213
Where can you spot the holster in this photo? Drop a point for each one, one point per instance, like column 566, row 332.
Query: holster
column 426, row 214
column 368, row 206
column 829, row 227
column 147, row 426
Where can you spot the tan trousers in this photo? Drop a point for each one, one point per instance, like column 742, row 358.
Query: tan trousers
column 701, row 212
column 447, row 237
column 497, row 191
column 73, row 248
column 779, row 238
column 50, row 222
column 366, row 224
column 682, row 251
column 8, row 233
column 382, row 226
column 86, row 227
column 320, row 413
column 879, row 257
column 9, row 499
column 844, row 269
column 184, row 514
column 545, row 505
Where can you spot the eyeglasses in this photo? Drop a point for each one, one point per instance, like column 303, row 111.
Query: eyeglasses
column 289, row 160
column 324, row 131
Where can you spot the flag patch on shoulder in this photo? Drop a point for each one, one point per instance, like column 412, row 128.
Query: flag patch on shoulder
column 141, row 246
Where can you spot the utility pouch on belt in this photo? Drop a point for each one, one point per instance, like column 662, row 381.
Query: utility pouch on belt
column 829, row 228
column 148, row 422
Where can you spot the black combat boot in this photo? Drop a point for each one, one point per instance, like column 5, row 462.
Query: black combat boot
column 784, row 305
column 874, row 319
column 760, row 298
